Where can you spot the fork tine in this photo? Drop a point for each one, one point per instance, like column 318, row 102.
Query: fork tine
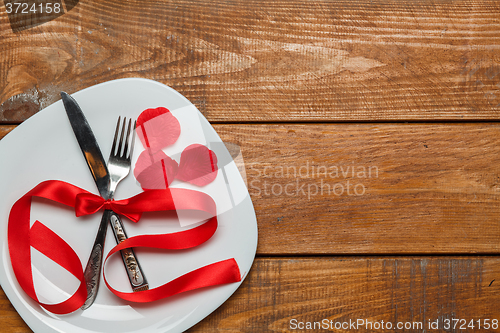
column 127, row 137
column 113, row 148
column 132, row 141
column 120, row 143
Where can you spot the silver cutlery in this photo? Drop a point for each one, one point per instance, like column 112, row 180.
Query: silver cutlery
column 119, row 168
column 102, row 178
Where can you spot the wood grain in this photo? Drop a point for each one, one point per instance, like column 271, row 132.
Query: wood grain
column 265, row 61
column 5, row 129
column 395, row 289
column 316, row 95
column 342, row 289
column 415, row 188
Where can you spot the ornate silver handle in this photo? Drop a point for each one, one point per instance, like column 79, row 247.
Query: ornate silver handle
column 92, row 273
column 135, row 275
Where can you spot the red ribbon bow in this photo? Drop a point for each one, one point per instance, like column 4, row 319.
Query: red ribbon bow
column 88, row 203
column 21, row 237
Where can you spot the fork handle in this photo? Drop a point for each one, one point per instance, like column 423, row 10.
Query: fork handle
column 92, row 271
column 135, row 275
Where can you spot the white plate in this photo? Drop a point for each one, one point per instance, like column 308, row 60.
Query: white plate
column 44, row 147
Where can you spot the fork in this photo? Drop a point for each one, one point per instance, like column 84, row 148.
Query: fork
column 118, row 167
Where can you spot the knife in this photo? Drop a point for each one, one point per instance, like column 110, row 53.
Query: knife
column 97, row 165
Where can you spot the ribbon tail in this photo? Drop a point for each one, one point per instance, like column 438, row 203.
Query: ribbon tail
column 222, row 272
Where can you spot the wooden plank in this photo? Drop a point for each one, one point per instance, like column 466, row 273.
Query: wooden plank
column 5, row 129
column 372, row 188
column 392, row 290
column 269, row 61
column 418, row 291
column 10, row 319
column 416, row 189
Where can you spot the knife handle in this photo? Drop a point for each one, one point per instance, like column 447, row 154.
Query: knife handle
column 92, row 273
column 135, row 275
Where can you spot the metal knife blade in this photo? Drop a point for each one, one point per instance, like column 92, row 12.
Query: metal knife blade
column 88, row 144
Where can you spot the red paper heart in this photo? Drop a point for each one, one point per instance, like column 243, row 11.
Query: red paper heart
column 155, row 171
column 198, row 165
column 157, row 128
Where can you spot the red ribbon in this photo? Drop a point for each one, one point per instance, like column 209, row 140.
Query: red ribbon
column 21, row 237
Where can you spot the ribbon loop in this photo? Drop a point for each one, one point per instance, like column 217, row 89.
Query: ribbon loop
column 21, row 237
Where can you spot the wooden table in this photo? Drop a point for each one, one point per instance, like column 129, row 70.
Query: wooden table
column 369, row 130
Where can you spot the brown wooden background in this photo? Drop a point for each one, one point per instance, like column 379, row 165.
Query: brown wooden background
column 411, row 88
